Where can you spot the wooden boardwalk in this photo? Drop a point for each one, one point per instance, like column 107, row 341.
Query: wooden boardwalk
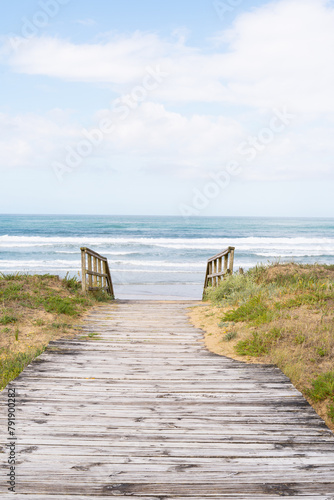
column 145, row 411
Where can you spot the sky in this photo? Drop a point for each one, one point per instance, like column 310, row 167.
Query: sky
column 205, row 108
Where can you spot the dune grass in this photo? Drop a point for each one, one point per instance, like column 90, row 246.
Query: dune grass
column 35, row 309
column 282, row 314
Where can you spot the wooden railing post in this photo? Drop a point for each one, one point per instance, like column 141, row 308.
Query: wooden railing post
column 225, row 263
column 83, row 271
column 99, row 269
column 90, row 282
column 95, row 271
column 214, row 279
column 104, row 279
column 231, row 260
column 109, row 280
column 206, row 280
column 220, row 263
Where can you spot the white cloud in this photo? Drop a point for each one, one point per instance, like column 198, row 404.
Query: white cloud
column 155, row 140
column 121, row 61
column 31, row 140
column 152, row 132
column 277, row 54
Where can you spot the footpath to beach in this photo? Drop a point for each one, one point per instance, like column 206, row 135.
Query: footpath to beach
column 143, row 410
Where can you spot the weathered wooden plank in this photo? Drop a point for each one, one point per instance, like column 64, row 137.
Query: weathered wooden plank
column 6, row 496
column 152, row 415
column 262, row 496
column 160, row 489
column 177, row 450
column 170, row 464
column 155, row 426
column 75, row 497
column 99, row 440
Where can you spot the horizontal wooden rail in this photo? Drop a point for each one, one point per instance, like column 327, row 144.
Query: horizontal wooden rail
column 95, row 272
column 215, row 270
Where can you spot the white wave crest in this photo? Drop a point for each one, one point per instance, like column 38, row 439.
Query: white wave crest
column 177, row 243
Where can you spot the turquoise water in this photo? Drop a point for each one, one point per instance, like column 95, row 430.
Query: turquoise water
column 158, row 256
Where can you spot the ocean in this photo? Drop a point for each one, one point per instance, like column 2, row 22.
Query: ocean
column 158, row 257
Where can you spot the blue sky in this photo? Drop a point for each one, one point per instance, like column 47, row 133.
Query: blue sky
column 180, row 108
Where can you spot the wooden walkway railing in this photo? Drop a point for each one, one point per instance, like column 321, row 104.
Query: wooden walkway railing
column 215, row 270
column 95, row 272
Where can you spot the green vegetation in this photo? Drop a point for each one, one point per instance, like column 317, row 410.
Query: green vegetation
column 284, row 315
column 299, row 339
column 230, row 336
column 255, row 309
column 258, row 343
column 323, row 390
column 321, row 352
column 12, row 365
column 6, row 319
column 100, row 296
column 322, row 387
column 254, row 346
column 330, row 412
column 61, row 305
column 11, row 277
column 34, row 310
column 64, row 326
column 71, row 283
column 233, row 290
column 223, row 324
